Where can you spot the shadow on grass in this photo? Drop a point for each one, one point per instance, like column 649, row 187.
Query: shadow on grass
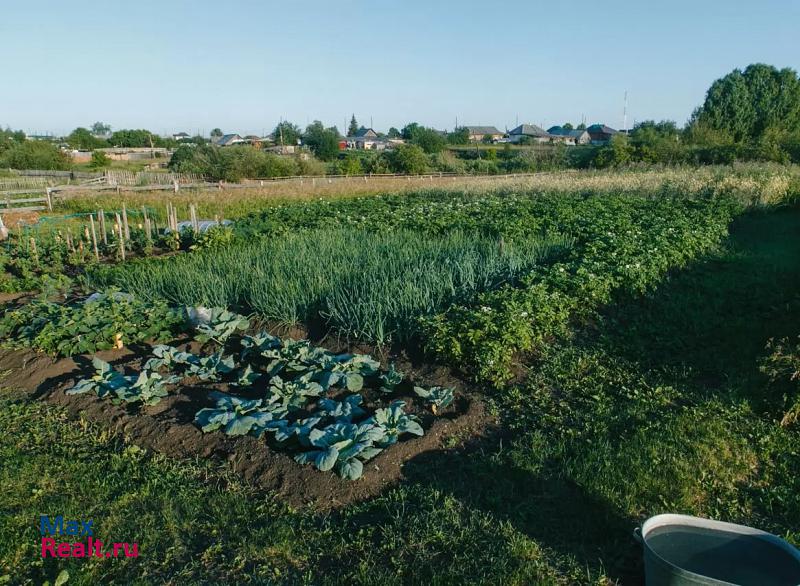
column 706, row 328
column 711, row 322
column 556, row 513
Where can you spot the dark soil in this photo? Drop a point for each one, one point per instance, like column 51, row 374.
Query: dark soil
column 168, row 427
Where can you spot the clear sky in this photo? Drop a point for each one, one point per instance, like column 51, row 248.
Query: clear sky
column 241, row 65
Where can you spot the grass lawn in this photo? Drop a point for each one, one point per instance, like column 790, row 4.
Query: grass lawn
column 657, row 406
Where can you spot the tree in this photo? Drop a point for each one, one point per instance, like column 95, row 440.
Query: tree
column 99, row 160
column 323, row 142
column 408, row 130
column 286, row 133
column 352, row 166
column 216, row 133
column 352, row 130
column 34, row 154
column 567, row 126
column 428, row 139
column 581, row 126
column 101, row 129
column 459, row 136
column 616, row 153
column 83, row 139
column 408, row 158
column 394, row 133
column 748, row 104
column 131, row 138
column 657, row 142
column 10, row 138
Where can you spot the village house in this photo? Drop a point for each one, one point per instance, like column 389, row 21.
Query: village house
column 181, row 136
column 366, row 139
column 569, row 136
column 478, row 133
column 229, row 140
column 600, row 133
column 528, row 133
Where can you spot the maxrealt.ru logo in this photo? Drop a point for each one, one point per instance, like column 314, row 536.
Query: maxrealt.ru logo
column 78, row 529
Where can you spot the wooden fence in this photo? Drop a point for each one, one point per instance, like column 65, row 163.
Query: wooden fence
column 178, row 182
column 25, row 204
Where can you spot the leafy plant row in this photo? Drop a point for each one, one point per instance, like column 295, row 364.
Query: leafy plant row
column 311, row 404
column 100, row 323
column 622, row 244
column 365, row 284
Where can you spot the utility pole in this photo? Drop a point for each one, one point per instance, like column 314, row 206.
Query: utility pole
column 625, row 112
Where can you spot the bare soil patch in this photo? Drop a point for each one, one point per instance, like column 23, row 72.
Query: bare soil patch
column 168, row 427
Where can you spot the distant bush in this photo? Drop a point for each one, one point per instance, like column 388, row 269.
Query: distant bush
column 240, row 162
column 35, row 155
column 408, row 158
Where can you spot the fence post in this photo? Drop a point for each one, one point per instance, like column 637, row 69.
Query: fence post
column 125, row 222
column 94, row 238
column 49, row 200
column 101, row 218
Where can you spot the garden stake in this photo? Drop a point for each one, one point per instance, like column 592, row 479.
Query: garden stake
column 94, row 238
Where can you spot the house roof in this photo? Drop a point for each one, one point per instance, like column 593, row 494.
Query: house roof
column 365, row 133
column 484, row 130
column 182, row 134
column 561, row 131
column 529, row 130
column 600, row 129
column 227, row 139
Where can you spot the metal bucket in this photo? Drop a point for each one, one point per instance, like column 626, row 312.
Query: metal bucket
column 679, row 549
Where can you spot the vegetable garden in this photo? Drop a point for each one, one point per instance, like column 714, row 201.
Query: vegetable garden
column 359, row 346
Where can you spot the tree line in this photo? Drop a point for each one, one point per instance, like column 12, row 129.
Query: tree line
column 750, row 114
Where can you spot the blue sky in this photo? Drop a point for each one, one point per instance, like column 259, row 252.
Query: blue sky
column 241, row 65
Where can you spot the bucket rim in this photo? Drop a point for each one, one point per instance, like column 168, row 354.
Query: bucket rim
column 672, row 519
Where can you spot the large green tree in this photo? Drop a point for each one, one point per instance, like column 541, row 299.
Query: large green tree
column 131, row 138
column 428, row 139
column 286, row 133
column 323, row 142
column 83, row 139
column 749, row 104
column 353, row 128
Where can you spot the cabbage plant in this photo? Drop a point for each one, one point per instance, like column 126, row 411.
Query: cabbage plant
column 105, row 381
column 390, row 379
column 148, row 388
column 347, row 370
column 343, row 446
column 394, row 422
column 293, row 394
column 342, row 411
column 437, row 397
column 237, row 416
column 220, row 326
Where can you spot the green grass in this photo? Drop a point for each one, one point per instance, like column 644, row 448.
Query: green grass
column 656, row 406
column 373, row 286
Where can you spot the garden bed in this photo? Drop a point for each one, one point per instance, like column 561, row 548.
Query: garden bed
column 169, row 427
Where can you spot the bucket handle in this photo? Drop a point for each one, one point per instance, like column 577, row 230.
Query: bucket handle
column 637, row 535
